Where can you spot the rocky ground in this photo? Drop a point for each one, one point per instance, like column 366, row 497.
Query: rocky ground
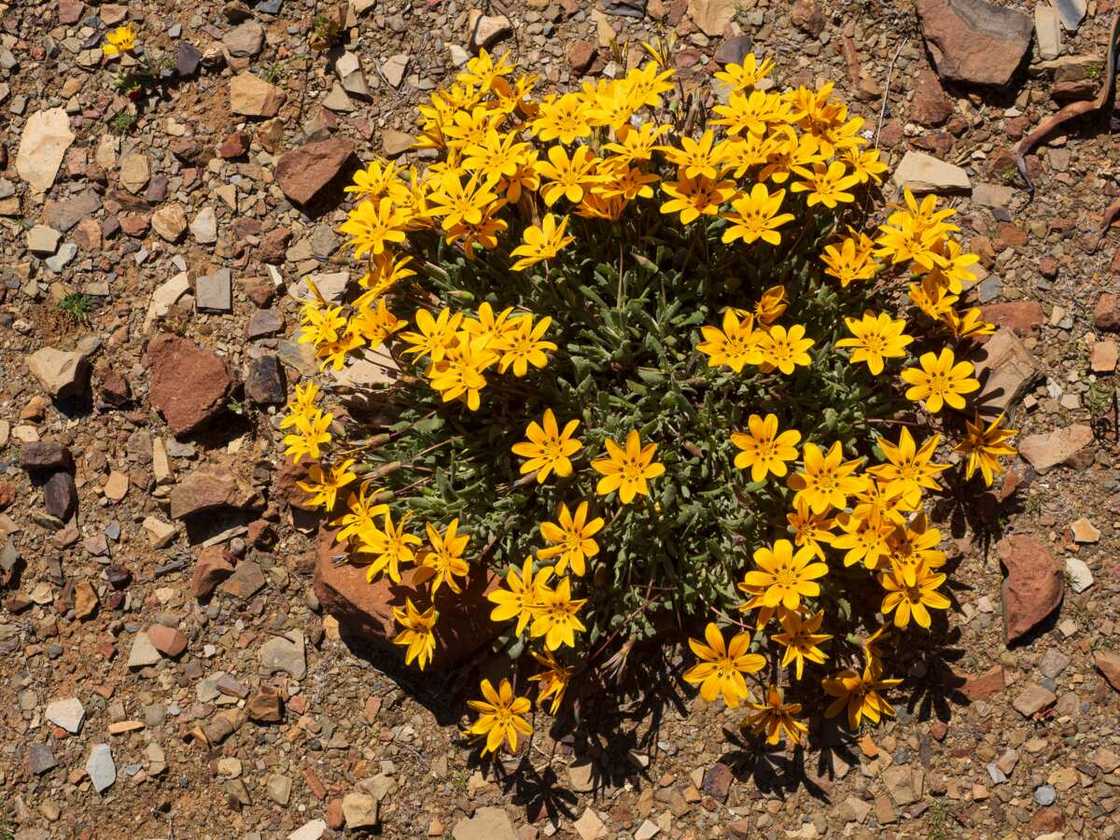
column 168, row 669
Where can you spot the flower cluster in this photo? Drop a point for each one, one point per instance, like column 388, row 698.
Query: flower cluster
column 640, row 375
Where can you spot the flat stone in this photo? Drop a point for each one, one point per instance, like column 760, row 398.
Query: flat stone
column 62, row 258
column 1103, row 356
column 1047, row 31
column 264, row 322
column 1071, row 12
column 167, row 640
column 1080, row 575
column 974, row 41
column 394, row 68
column 209, row 487
column 360, row 810
column 279, row 789
column 1033, row 699
column 487, row 824
column 211, row 568
column 1005, row 369
column 284, row 653
column 246, row 581
column 189, row 385
column 304, row 172
column 265, row 706
column 46, row 137
column 904, row 784
column 214, row 292
column 40, row 759
column 67, row 714
column 1053, row 662
column 44, row 455
column 143, row 652
column 244, row 41
column 265, row 383
column 254, row 97
column 1108, row 662
column 100, row 767
column 42, row 240
column 187, row 59
column 160, row 534
column 60, row 495
column 711, row 17
column 135, row 171
column 204, row 227
column 116, row 486
column 311, row 830
column 62, row 373
column 922, row 173
column 165, row 296
column 1033, row 587
column 85, row 599
column 486, row 31
column 1051, row 449
column 170, row 222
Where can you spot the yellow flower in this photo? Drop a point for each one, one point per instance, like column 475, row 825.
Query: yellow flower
column 374, row 181
column 722, row 666
column 386, row 271
column 435, row 336
column 910, row 469
column 541, row 243
column 548, row 448
column 915, row 542
column 636, row 144
column 876, row 337
column 911, row 593
column 460, row 373
column 501, row 716
column 571, row 538
column 756, row 216
column 375, row 325
column 809, row 529
column 859, row 694
column 785, row 577
column 498, row 156
column 521, row 599
column 694, row 197
column 362, row 507
column 968, row 324
column 492, row 327
column 941, row 380
column 552, row 681
column 739, row 77
column 566, row 177
column 390, row 545
column 627, row 470
column 784, row 349
column 825, row 185
column 825, row 480
column 777, row 719
column 852, row 261
column 645, row 85
column 754, row 112
column 736, row 345
column 371, row 225
column 790, row 152
column 445, row 560
column 524, row 345
column 866, row 536
column 461, row 203
column 562, row 118
column 800, row 638
column 865, row 165
column 418, row 633
column 764, row 451
column 311, row 434
column 771, row 306
column 983, row 445
column 695, row 158
column 119, row 41
column 323, row 485
column 625, row 182
column 556, row 617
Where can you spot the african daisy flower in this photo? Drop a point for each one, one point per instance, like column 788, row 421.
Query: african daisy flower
column 785, row 577
column 722, row 666
column 418, row 634
column 939, row 381
column 875, row 338
column 764, row 450
column 825, row 480
column 548, row 447
column 501, row 716
column 571, row 539
column 628, row 469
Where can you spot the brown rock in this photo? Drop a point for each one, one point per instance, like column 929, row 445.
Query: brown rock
column 254, row 97
column 988, row 684
column 245, row 582
column 189, row 385
column 234, row 146
column 302, row 173
column 974, row 41
column 931, row 106
column 1033, row 587
column 167, row 640
column 210, row 487
column 333, row 816
column 1106, row 314
column 1005, row 369
column 717, row 781
column 1051, row 449
column 265, row 706
column 213, row 566
column 580, row 56
column 1108, row 661
column 1033, row 699
column 806, row 16
column 1023, row 316
column 365, row 610
column 85, row 599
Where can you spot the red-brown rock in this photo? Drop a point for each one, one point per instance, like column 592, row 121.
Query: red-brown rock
column 333, row 815
column 1108, row 661
column 213, row 566
column 988, row 684
column 365, row 610
column 580, row 56
column 1024, row 317
column 1106, row 314
column 209, row 487
column 234, row 146
column 303, row 172
column 1033, row 587
column 189, row 385
column 806, row 16
column 975, row 41
column 265, row 706
column 931, row 106
column 167, row 640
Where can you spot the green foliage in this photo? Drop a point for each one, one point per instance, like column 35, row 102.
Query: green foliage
column 78, row 306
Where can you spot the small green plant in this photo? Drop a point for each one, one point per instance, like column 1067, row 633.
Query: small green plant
column 78, row 306
column 123, row 123
column 273, row 73
column 325, row 29
column 1099, row 398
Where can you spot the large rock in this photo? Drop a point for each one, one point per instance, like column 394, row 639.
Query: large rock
column 365, row 610
column 302, row 173
column 1051, row 449
column 254, row 97
column 711, row 16
column 1033, row 587
column 211, row 487
column 1005, row 368
column 974, row 41
column 42, row 146
column 487, row 824
column 244, row 41
column 1108, row 661
column 189, row 385
column 922, row 173
column 62, row 373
